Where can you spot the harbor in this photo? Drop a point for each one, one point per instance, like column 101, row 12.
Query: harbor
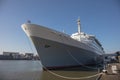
column 32, row 70
column 59, row 40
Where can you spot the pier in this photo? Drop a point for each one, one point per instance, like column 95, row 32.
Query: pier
column 112, row 71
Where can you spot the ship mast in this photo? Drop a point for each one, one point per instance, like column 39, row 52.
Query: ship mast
column 79, row 28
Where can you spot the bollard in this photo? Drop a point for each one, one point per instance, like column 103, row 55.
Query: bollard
column 114, row 69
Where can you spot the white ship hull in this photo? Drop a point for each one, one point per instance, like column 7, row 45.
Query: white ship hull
column 57, row 50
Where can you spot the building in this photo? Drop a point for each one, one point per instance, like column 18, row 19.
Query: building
column 36, row 57
column 118, row 56
column 29, row 55
column 14, row 55
column 18, row 56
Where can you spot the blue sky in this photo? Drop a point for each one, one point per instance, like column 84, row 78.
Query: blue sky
column 98, row 17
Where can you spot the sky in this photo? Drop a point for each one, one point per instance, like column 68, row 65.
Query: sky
column 98, row 17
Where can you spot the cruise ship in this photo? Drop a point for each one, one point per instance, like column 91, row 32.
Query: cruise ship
column 60, row 50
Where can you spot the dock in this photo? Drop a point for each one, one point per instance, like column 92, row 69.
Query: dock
column 113, row 72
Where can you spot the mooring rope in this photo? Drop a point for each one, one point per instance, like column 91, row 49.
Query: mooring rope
column 75, row 78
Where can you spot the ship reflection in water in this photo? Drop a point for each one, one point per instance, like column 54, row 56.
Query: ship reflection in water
column 32, row 70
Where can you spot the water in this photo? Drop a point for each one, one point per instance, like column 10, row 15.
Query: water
column 32, row 70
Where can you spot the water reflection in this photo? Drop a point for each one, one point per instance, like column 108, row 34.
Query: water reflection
column 20, row 70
